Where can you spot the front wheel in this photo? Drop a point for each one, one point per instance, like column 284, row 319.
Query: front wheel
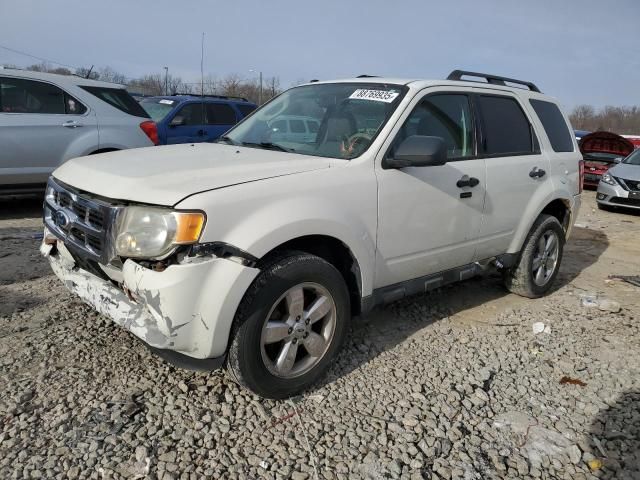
column 290, row 325
column 539, row 261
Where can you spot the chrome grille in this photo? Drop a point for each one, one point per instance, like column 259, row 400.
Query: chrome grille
column 632, row 185
column 80, row 220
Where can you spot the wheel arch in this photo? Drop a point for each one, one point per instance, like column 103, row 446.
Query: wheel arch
column 334, row 251
column 104, row 150
column 559, row 207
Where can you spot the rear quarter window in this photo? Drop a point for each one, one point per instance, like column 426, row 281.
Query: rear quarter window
column 118, row 98
column 245, row 109
column 220, row 114
column 554, row 125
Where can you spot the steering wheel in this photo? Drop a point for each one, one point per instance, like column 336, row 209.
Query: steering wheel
column 358, row 137
column 354, row 141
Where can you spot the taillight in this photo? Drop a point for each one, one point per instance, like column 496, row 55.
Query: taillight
column 149, row 127
column 581, row 179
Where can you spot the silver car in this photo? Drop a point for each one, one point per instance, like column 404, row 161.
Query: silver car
column 620, row 186
column 46, row 119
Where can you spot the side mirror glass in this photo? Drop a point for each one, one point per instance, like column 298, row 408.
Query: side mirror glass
column 177, row 121
column 418, row 151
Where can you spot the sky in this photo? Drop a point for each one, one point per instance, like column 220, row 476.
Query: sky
column 579, row 51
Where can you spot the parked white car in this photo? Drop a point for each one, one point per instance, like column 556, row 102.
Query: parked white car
column 256, row 256
column 46, row 119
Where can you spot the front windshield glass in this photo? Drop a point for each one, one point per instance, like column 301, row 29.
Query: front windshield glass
column 633, row 159
column 338, row 120
column 158, row 108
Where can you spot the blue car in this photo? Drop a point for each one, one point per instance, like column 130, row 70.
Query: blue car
column 581, row 133
column 195, row 118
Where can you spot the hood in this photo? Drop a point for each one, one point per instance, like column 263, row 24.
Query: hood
column 605, row 143
column 165, row 175
column 626, row 171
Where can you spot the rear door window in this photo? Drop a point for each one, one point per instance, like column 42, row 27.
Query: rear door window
column 118, row 98
column 220, row 114
column 554, row 125
column 506, row 128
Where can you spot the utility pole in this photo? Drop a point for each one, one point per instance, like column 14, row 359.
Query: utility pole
column 202, row 69
column 260, row 89
column 166, row 80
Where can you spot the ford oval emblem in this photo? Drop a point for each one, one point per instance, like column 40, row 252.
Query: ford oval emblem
column 61, row 219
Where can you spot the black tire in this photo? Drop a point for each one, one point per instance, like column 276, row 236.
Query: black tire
column 245, row 363
column 520, row 278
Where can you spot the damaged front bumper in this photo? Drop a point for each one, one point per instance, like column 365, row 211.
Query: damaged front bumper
column 187, row 308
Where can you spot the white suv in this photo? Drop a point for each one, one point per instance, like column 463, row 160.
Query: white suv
column 46, row 119
column 256, row 255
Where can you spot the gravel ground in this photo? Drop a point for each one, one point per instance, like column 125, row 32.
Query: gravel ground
column 454, row 384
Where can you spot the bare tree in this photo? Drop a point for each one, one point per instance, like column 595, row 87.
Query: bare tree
column 154, row 83
column 609, row 118
column 48, row 68
column 108, row 74
column 87, row 73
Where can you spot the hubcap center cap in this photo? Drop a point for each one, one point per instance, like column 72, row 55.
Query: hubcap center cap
column 299, row 330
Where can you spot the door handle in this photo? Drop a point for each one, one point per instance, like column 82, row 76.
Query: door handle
column 71, row 124
column 467, row 181
column 537, row 173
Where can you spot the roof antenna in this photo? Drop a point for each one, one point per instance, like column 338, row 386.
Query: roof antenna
column 89, row 72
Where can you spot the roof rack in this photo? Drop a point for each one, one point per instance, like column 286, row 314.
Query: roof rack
column 493, row 79
column 225, row 97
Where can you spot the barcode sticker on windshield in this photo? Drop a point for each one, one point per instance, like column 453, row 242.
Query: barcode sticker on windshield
column 166, row 102
column 385, row 96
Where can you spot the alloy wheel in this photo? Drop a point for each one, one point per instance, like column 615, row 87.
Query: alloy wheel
column 545, row 257
column 298, row 330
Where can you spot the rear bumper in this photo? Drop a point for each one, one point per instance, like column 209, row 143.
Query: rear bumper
column 615, row 196
column 187, row 308
column 575, row 210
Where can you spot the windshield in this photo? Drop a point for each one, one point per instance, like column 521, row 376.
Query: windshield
column 338, row 120
column 158, row 108
column 633, row 159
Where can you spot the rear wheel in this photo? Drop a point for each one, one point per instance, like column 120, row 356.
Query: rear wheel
column 539, row 260
column 289, row 326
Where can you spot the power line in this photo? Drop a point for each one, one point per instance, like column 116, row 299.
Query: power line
column 37, row 58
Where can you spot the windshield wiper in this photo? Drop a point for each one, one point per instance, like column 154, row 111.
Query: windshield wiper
column 268, row 146
column 226, row 139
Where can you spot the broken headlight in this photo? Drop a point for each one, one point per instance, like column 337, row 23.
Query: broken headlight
column 150, row 232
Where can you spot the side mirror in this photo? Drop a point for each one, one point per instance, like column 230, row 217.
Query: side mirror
column 418, row 151
column 177, row 121
column 617, row 160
